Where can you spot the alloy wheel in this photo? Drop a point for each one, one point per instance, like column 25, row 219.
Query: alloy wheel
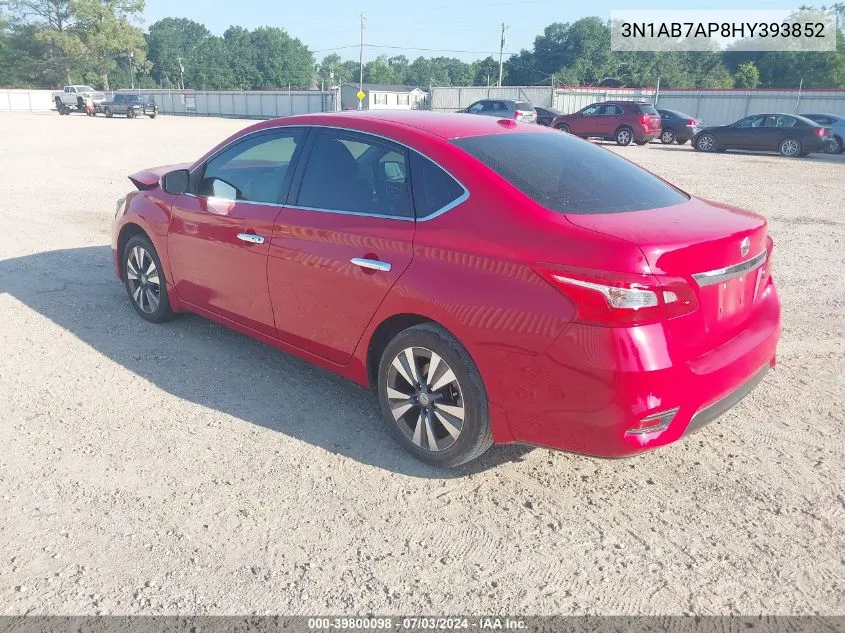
column 623, row 137
column 706, row 143
column 835, row 145
column 144, row 281
column 667, row 137
column 789, row 147
column 425, row 399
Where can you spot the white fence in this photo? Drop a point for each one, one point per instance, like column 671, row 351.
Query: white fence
column 714, row 107
column 248, row 105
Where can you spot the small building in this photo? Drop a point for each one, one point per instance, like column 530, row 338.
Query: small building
column 382, row 97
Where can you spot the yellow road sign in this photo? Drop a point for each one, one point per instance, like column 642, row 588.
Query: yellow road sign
column 361, row 94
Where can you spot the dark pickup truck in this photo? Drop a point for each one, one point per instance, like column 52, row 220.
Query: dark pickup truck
column 131, row 106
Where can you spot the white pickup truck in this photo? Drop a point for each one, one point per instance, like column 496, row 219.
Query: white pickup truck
column 73, row 98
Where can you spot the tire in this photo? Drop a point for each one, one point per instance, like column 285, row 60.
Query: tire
column 80, row 103
column 59, row 106
column 790, row 147
column 130, row 113
column 66, row 111
column 624, row 136
column 147, row 297
column 563, row 127
column 837, row 146
column 706, row 143
column 109, row 114
column 424, row 414
column 667, row 137
column 152, row 116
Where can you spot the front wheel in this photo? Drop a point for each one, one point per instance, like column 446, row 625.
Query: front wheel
column 624, row 136
column 130, row 113
column 109, row 113
column 563, row 127
column 836, row 146
column 152, row 116
column 790, row 147
column 667, row 137
column 432, row 397
column 706, row 143
column 143, row 276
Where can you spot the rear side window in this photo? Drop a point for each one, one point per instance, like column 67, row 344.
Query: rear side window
column 646, row 109
column 568, row 175
column 434, row 189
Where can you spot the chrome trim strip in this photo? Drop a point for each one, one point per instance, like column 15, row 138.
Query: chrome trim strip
column 358, row 213
column 460, row 200
column 371, row 264
column 663, row 419
column 712, row 277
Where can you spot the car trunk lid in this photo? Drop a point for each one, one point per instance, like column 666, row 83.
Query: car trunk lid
column 718, row 250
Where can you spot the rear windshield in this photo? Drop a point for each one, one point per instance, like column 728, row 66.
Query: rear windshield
column 646, row 109
column 523, row 106
column 568, row 175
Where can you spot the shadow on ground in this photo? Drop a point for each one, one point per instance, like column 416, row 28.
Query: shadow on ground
column 207, row 364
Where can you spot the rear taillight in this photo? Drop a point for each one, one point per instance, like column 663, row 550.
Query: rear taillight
column 616, row 299
column 691, row 122
column 517, row 115
column 643, row 119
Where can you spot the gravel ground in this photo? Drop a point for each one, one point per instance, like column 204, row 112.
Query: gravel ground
column 187, row 469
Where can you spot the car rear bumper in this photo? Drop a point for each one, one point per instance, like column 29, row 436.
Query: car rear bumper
column 614, row 392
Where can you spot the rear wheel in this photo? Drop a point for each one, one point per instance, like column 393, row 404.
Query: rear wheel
column 130, row 113
column 706, row 143
column 836, row 145
column 790, row 147
column 144, row 279
column 667, row 137
column 624, row 136
column 432, row 397
column 109, row 113
column 152, row 116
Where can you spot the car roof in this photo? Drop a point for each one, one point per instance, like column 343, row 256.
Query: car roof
column 445, row 125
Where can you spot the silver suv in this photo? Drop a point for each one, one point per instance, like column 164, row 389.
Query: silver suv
column 504, row 109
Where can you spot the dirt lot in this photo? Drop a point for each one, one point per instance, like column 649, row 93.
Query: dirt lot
column 185, row 468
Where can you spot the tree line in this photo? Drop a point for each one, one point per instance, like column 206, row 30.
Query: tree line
column 49, row 43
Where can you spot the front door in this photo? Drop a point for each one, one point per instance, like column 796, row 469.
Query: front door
column 220, row 231
column 584, row 122
column 341, row 243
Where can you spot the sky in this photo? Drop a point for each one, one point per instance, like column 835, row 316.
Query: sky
column 466, row 29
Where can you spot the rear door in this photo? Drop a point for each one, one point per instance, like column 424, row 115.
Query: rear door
column 220, row 232
column 607, row 120
column 342, row 241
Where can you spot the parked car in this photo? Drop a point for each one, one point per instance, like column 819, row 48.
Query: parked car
column 545, row 116
column 130, row 105
column 492, row 282
column 505, row 109
column 73, row 98
column 789, row 134
column 621, row 121
column 836, row 123
column 677, row 127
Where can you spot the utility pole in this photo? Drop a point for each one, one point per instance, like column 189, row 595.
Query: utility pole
column 361, row 57
column 501, row 52
column 131, row 74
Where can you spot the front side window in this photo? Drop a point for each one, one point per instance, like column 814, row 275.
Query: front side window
column 567, row 175
column 591, row 110
column 752, row 121
column 254, row 170
column 356, row 174
column 476, row 107
column 119, row 99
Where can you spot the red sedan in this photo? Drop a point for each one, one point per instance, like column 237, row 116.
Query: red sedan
column 494, row 282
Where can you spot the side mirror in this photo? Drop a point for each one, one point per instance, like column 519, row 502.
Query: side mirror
column 176, row 182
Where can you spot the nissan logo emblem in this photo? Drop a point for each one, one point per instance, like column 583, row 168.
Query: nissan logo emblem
column 744, row 247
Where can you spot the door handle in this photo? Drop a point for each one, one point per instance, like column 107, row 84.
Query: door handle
column 252, row 238
column 372, row 264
